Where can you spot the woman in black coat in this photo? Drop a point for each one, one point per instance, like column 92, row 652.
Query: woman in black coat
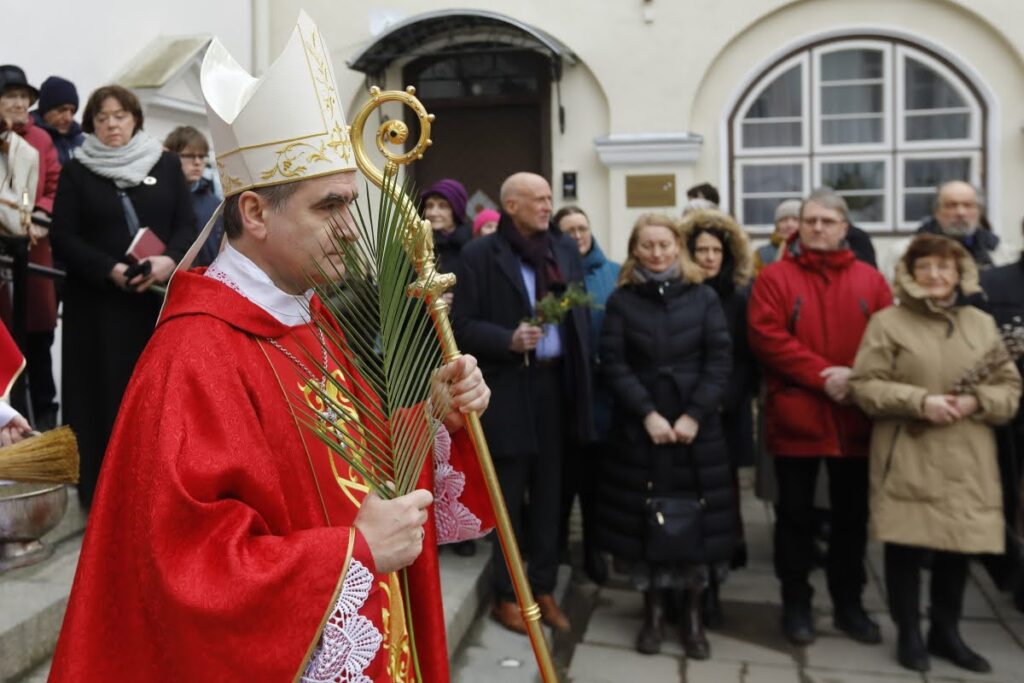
column 719, row 246
column 665, row 353
column 108, row 317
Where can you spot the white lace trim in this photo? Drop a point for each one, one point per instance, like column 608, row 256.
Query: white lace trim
column 455, row 522
column 350, row 641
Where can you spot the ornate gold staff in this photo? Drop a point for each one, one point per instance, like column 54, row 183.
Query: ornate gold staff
column 430, row 285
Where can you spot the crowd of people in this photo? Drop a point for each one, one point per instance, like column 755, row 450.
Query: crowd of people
column 702, row 356
column 698, row 356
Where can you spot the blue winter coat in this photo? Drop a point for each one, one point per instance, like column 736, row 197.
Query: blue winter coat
column 599, row 276
column 65, row 143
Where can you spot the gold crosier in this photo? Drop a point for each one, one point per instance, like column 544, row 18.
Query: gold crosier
column 430, row 285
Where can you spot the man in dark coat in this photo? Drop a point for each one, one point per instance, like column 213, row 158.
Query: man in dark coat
column 957, row 215
column 532, row 371
column 1004, row 290
column 806, row 317
column 58, row 104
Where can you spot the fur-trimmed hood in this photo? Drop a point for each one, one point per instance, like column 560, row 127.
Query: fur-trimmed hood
column 910, row 293
column 737, row 242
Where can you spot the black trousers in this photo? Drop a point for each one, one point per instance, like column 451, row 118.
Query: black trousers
column 40, row 375
column 794, row 527
column 532, row 486
column 903, row 584
column 581, row 464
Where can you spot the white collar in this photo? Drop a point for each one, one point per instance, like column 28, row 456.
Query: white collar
column 235, row 270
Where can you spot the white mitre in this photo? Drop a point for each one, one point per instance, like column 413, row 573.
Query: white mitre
column 285, row 126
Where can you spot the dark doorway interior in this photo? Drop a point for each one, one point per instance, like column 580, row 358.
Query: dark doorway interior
column 493, row 118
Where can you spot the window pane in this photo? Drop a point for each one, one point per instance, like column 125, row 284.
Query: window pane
column 786, row 134
column 773, row 178
column 917, row 207
column 781, row 98
column 761, row 210
column 853, row 175
column 846, row 65
column 926, row 89
column 938, row 127
column 865, row 208
column 851, row 131
column 931, row 173
column 851, row 99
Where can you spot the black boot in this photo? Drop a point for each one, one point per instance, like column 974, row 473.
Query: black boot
column 648, row 641
column 695, row 643
column 949, row 580
column 595, row 566
column 853, row 620
column 798, row 624
column 711, row 606
column 944, row 641
column 903, row 586
column 464, row 548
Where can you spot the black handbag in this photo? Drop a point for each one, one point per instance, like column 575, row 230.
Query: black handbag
column 675, row 524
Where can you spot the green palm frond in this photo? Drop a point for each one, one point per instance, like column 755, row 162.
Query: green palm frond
column 385, row 430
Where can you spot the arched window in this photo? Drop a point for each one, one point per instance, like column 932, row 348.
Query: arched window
column 880, row 121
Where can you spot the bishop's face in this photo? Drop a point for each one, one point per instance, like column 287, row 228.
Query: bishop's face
column 298, row 236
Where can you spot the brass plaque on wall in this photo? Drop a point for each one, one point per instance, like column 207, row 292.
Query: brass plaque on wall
column 650, row 190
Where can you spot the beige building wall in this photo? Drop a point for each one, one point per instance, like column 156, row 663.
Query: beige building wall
column 651, row 72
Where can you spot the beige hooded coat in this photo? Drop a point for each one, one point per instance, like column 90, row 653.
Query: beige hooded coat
column 939, row 488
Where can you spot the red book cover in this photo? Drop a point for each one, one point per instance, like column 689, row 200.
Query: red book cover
column 145, row 243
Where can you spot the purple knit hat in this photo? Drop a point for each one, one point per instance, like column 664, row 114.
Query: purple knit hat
column 452, row 192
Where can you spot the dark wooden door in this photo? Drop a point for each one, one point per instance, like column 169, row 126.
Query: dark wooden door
column 481, row 146
column 492, row 119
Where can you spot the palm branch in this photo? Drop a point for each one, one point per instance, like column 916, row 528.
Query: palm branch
column 387, row 422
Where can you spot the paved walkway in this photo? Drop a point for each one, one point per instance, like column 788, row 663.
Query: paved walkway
column 750, row 649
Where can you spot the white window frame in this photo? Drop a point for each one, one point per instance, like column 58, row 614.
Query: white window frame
column 975, row 179
column 802, row 59
column 817, row 122
column 887, row 187
column 973, row 139
column 760, row 228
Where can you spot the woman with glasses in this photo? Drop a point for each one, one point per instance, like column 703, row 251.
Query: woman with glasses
column 120, row 181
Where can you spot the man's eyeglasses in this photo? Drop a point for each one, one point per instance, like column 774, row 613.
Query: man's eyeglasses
column 825, row 222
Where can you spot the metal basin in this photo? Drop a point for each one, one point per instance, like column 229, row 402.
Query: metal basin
column 27, row 513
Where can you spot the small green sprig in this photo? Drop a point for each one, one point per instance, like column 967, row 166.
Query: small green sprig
column 552, row 309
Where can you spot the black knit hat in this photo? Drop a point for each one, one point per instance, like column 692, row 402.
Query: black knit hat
column 11, row 76
column 56, row 91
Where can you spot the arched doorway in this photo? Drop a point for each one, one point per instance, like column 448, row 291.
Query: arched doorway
column 488, row 78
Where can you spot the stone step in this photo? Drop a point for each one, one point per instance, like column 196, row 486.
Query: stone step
column 494, row 654
column 33, row 598
column 29, row 633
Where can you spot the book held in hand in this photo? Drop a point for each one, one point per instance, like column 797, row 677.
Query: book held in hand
column 144, row 244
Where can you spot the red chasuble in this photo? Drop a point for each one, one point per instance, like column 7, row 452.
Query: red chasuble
column 221, row 547
column 11, row 362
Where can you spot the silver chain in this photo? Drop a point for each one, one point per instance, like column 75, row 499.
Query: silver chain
column 329, row 415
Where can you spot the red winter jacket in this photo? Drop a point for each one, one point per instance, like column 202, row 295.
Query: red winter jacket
column 808, row 312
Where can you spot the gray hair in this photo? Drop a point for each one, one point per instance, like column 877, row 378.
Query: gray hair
column 827, row 197
column 979, row 195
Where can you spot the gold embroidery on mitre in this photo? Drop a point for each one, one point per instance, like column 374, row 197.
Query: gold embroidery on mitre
column 320, row 71
column 396, row 632
column 227, row 181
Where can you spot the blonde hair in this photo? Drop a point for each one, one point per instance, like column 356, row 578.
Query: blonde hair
column 688, row 270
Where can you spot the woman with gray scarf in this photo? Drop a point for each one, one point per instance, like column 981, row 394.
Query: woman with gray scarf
column 666, row 357
column 119, row 182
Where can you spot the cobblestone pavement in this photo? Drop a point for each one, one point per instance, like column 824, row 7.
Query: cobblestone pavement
column 750, row 649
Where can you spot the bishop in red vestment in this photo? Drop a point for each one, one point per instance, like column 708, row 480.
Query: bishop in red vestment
column 226, row 543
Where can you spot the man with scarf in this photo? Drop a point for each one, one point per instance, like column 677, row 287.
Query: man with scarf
column 532, row 371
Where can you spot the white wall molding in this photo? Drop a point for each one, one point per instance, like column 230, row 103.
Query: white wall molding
column 648, row 149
